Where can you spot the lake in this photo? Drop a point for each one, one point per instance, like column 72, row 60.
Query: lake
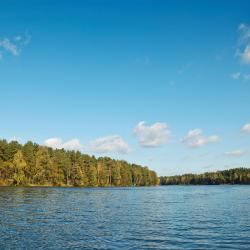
column 164, row 217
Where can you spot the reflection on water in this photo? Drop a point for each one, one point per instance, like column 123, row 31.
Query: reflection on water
column 173, row 217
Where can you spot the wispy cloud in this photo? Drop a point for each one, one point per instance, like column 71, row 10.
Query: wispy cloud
column 196, row 139
column 55, row 142
column 152, row 136
column 9, row 46
column 240, row 76
column 236, row 153
column 112, row 143
column 244, row 30
column 246, row 54
column 245, row 129
column 243, row 48
column 14, row 46
column 236, row 75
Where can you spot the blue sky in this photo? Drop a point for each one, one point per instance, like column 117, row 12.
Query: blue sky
column 160, row 83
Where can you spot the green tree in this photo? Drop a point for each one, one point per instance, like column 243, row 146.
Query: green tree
column 29, row 152
column 43, row 166
column 38, row 165
column 18, row 166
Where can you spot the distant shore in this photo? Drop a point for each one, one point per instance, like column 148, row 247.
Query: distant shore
column 231, row 176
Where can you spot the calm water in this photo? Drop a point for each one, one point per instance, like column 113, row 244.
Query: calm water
column 174, row 217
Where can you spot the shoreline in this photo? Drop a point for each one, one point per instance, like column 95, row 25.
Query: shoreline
column 71, row 186
column 88, row 187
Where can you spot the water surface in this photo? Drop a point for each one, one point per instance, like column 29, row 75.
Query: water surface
column 166, row 217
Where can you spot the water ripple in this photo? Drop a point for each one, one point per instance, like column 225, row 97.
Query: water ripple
column 192, row 217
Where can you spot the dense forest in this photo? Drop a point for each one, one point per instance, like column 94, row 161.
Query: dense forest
column 32, row 164
column 231, row 176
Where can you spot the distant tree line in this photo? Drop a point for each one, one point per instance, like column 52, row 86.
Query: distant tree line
column 231, row 176
column 32, row 164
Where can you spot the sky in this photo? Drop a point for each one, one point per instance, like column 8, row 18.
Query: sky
column 164, row 84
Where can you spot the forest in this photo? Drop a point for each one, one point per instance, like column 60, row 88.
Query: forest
column 35, row 165
column 231, row 176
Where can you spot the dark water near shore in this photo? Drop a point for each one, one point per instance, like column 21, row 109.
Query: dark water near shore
column 170, row 217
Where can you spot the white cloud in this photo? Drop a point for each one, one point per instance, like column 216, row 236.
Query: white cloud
column 246, row 54
column 55, row 142
column 243, row 49
column 73, row 144
column 10, row 47
column 14, row 46
column 236, row 153
column 236, row 76
column 152, row 136
column 246, row 129
column 112, row 143
column 195, row 139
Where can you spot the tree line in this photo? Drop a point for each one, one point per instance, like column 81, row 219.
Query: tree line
column 231, row 176
column 33, row 164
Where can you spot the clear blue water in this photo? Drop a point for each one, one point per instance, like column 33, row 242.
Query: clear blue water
column 170, row 217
